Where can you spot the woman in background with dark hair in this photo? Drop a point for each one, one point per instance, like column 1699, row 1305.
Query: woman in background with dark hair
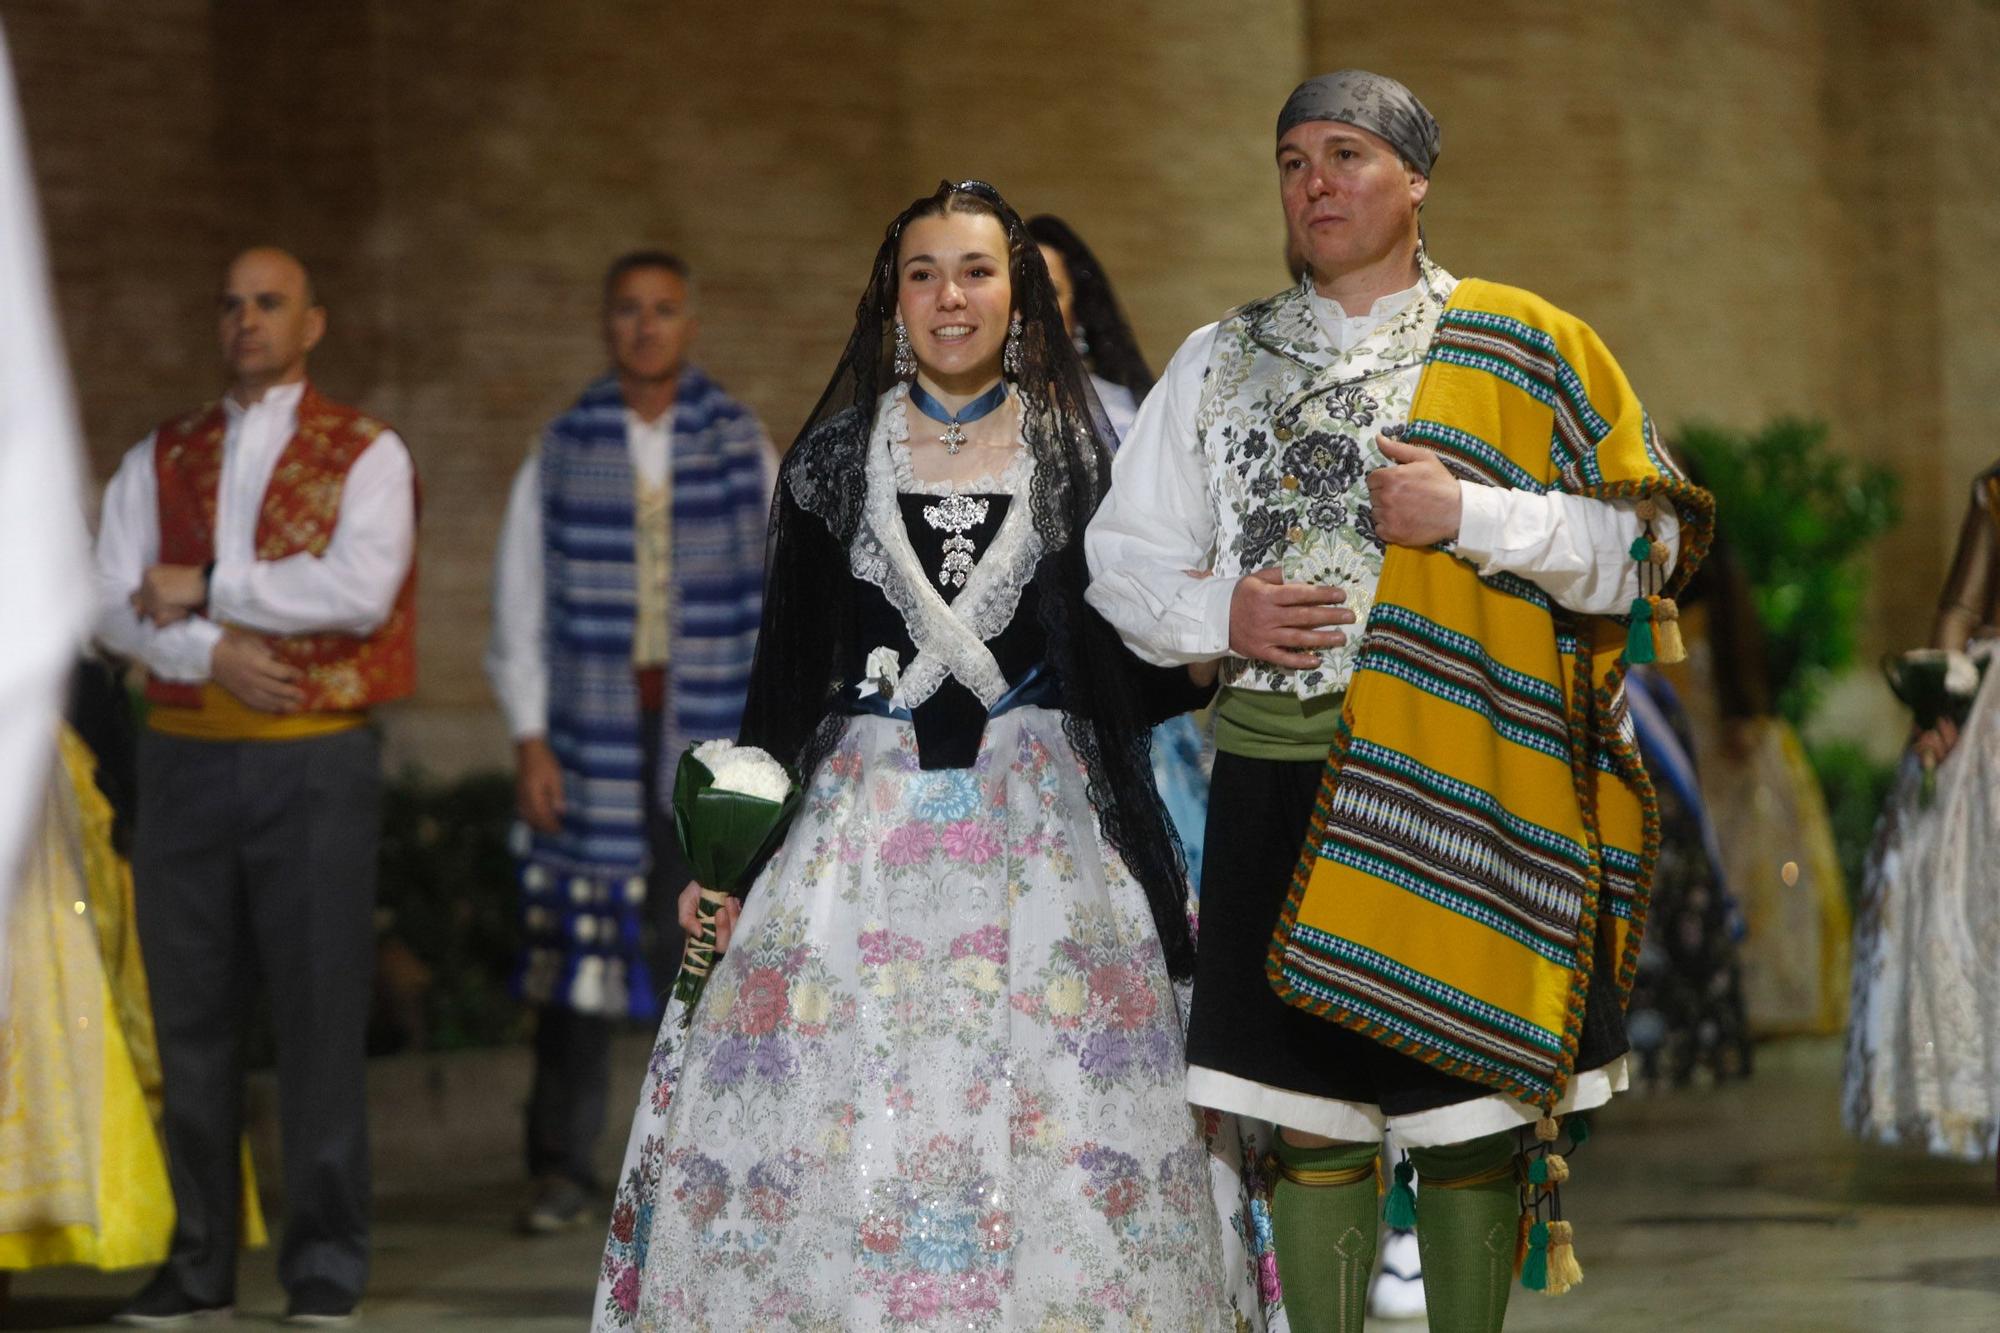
column 1183, row 747
column 936, row 1081
column 1095, row 321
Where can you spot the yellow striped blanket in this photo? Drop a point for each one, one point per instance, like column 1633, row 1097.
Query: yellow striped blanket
column 1482, row 829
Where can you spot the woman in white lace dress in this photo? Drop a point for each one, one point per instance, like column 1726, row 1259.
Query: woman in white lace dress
column 1923, row 1055
column 935, row 1081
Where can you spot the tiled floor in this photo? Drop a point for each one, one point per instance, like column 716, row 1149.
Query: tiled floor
column 1744, row 1208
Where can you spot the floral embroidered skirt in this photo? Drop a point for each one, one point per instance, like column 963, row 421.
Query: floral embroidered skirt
column 937, row 1080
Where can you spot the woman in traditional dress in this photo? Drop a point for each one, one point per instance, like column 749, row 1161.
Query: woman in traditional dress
column 1769, row 814
column 1096, row 322
column 936, row 1079
column 1686, row 1017
column 1183, row 747
column 1923, row 1058
column 82, row 1178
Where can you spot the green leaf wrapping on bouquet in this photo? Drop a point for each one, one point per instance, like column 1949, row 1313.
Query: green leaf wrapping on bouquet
column 1919, row 683
column 722, row 834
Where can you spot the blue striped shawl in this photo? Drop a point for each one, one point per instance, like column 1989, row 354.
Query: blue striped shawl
column 720, row 508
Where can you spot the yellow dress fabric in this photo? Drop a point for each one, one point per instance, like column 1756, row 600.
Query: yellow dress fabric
column 82, row 1176
column 1483, row 828
column 1778, row 853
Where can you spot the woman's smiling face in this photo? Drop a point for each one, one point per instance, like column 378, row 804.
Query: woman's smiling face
column 955, row 296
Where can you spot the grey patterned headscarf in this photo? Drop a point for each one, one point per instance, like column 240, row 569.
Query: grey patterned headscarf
column 1376, row 103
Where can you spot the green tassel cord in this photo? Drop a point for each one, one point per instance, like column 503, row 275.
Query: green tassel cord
column 1535, row 1268
column 1639, row 637
column 1400, row 1211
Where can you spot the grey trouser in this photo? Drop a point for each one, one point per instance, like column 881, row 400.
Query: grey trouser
column 257, row 860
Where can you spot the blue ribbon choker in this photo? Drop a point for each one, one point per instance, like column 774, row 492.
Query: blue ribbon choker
column 955, row 422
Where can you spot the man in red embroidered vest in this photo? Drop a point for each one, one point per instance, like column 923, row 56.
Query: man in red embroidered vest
column 257, row 557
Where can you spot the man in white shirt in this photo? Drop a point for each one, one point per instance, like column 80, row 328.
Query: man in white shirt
column 626, row 594
column 257, row 558
column 1245, row 528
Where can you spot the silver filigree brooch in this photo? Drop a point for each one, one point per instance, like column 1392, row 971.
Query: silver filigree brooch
column 957, row 515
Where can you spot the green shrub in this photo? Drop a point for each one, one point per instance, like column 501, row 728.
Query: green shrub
column 1798, row 517
column 1856, row 784
column 448, row 896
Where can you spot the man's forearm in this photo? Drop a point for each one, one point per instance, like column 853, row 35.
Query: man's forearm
column 1574, row 548
column 1167, row 618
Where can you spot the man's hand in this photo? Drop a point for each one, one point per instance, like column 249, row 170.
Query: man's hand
column 1273, row 621
column 726, row 913
column 1415, row 499
column 244, row 665
column 538, row 785
column 169, row 592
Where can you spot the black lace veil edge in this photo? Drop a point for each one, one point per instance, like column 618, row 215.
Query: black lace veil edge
column 792, row 710
column 1114, row 349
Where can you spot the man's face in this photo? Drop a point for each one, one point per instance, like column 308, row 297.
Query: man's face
column 266, row 320
column 649, row 323
column 1349, row 199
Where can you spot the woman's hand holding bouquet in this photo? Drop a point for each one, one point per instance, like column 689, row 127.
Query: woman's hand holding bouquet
column 731, row 805
column 1937, row 685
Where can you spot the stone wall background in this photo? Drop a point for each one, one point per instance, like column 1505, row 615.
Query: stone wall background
column 1782, row 207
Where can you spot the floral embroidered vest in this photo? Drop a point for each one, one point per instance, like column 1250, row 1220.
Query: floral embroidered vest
column 341, row 673
column 1288, row 426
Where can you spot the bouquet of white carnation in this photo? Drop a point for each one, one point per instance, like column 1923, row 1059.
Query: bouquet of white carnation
column 1935, row 684
column 731, row 805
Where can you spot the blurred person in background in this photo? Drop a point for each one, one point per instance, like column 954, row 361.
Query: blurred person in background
column 1687, row 1017
column 1769, row 815
column 1923, row 1062
column 1183, row 747
column 44, row 600
column 626, row 592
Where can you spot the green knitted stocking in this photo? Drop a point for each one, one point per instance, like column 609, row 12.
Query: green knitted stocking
column 1323, row 1222
column 1467, row 1213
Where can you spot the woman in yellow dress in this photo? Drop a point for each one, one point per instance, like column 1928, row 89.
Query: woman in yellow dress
column 82, row 1177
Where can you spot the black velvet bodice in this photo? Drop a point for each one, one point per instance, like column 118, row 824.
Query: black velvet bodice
column 951, row 723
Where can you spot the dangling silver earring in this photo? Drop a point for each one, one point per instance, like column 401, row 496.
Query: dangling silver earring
column 1010, row 355
column 906, row 357
column 1081, row 340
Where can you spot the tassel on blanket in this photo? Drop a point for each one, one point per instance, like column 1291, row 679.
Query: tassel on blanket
column 1400, row 1211
column 1550, row 1169
column 1668, row 646
column 1535, row 1268
column 1639, row 634
column 1564, row 1271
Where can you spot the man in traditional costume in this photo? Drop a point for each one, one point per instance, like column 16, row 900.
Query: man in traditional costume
column 1461, row 468
column 257, row 557
column 627, row 591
